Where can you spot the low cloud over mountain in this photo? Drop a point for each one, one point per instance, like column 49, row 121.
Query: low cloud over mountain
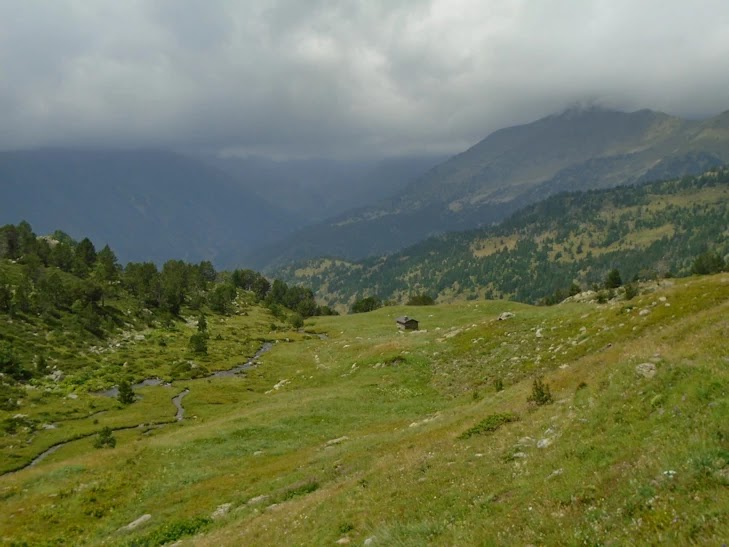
column 319, row 78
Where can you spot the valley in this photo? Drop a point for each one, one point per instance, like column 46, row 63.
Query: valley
column 332, row 437
column 404, row 274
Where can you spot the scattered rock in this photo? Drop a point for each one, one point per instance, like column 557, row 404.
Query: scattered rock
column 336, row 441
column 555, row 473
column 56, row 376
column 544, row 443
column 646, row 370
column 539, row 334
column 72, row 396
column 343, row 541
column 221, row 511
column 506, row 315
column 278, row 386
column 519, row 455
column 525, row 441
column 137, row 523
column 257, row 500
column 369, row 541
column 424, row 421
column 644, row 312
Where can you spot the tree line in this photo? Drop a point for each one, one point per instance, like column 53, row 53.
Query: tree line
column 58, row 274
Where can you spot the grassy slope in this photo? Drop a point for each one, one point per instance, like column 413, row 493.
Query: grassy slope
column 628, row 459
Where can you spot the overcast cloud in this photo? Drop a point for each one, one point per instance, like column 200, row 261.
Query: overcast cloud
column 343, row 78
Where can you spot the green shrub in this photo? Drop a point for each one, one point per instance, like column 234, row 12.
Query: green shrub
column 421, row 300
column 541, row 394
column 498, row 384
column 198, row 343
column 631, row 291
column 613, row 279
column 300, row 489
column 105, row 439
column 490, row 424
column 172, row 531
column 297, row 321
column 708, row 263
column 202, row 324
column 126, row 393
column 366, row 304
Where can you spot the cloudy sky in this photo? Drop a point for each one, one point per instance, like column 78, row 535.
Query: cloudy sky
column 343, row 78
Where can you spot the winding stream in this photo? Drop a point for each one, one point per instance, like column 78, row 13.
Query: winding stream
column 176, row 401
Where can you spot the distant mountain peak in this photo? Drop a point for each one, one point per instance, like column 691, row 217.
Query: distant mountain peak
column 581, row 108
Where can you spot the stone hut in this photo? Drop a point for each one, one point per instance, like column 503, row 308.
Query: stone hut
column 406, row 323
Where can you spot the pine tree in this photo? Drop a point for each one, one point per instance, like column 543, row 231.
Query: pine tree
column 202, row 324
column 126, row 393
column 613, row 279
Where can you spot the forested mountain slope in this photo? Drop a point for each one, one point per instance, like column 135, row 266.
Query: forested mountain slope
column 647, row 230
column 579, row 149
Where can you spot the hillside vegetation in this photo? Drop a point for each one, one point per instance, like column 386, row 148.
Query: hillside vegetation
column 77, row 330
column 496, row 423
column 646, row 231
column 577, row 150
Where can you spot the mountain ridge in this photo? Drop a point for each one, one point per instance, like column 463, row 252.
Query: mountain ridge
column 148, row 204
column 511, row 167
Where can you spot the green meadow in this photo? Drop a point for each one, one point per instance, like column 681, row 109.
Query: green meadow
column 369, row 435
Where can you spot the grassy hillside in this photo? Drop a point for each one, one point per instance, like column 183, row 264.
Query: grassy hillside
column 370, row 434
column 645, row 231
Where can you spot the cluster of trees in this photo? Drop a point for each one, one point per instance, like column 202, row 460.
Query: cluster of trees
column 298, row 299
column 363, row 305
column 177, row 283
column 709, row 262
column 59, row 275
column 422, row 299
column 371, row 303
column 81, row 294
column 59, row 250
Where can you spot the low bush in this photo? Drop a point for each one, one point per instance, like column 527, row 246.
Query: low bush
column 490, row 424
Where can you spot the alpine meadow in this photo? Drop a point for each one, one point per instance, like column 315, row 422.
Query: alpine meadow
column 434, row 273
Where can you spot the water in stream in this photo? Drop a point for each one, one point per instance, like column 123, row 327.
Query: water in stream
column 177, row 401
